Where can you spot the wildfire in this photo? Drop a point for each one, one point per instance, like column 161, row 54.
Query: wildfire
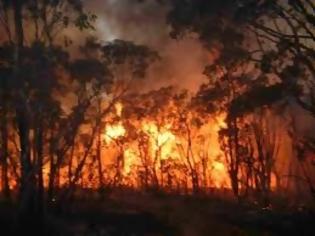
column 158, row 153
column 161, row 140
column 165, row 149
column 220, row 175
column 118, row 108
column 113, row 132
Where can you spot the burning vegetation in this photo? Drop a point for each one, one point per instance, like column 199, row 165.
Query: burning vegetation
column 84, row 114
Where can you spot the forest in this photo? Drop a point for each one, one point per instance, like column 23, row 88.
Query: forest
column 157, row 117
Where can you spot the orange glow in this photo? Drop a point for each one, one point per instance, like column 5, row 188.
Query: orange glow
column 165, row 147
column 169, row 149
column 114, row 131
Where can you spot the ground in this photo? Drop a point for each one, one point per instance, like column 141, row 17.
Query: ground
column 132, row 214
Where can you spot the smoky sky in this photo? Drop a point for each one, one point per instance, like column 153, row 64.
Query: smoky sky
column 144, row 22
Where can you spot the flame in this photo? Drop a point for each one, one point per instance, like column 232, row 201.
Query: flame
column 113, row 132
column 118, row 108
column 220, row 174
column 163, row 146
column 161, row 139
column 165, row 150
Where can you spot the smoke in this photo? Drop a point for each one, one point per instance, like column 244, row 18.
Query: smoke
column 144, row 22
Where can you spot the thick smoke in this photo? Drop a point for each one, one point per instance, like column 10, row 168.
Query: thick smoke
column 144, row 22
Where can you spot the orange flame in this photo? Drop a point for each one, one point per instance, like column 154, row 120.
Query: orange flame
column 162, row 141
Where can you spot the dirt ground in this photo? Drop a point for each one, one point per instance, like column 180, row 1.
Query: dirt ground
column 134, row 214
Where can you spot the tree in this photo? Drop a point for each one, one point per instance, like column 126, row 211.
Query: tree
column 239, row 83
column 266, row 140
column 33, row 75
column 4, row 140
column 285, row 38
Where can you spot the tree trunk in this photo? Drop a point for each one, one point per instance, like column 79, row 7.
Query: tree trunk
column 51, row 179
column 4, row 155
column 99, row 157
column 234, row 161
column 40, row 187
column 27, row 217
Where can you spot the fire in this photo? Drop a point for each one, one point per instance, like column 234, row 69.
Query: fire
column 113, row 132
column 220, row 122
column 157, row 146
column 220, row 175
column 118, row 108
column 164, row 149
column 131, row 158
column 162, row 139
